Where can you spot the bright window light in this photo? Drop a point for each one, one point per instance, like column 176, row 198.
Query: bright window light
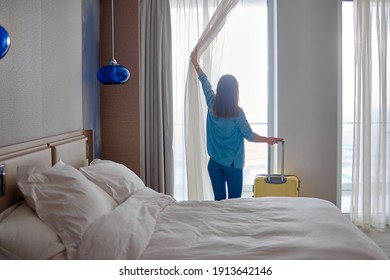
column 245, row 55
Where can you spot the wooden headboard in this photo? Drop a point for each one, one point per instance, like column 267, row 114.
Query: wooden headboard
column 74, row 148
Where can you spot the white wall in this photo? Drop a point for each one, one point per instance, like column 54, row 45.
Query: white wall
column 41, row 76
column 91, row 86
column 307, row 81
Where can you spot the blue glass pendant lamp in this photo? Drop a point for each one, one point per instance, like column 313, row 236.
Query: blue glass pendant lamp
column 5, row 42
column 113, row 73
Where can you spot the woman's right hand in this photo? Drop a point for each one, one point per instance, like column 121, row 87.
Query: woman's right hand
column 194, row 60
column 194, row 57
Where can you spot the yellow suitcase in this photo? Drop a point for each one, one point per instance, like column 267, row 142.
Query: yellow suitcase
column 276, row 184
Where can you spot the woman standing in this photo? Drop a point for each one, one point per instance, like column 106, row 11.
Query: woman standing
column 226, row 128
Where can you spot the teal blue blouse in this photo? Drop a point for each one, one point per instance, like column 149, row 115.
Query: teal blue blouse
column 225, row 137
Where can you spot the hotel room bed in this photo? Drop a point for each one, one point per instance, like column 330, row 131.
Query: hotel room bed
column 65, row 208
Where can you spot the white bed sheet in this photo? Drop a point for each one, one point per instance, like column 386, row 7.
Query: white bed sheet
column 150, row 225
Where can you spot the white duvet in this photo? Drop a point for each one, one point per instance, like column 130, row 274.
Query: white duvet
column 149, row 225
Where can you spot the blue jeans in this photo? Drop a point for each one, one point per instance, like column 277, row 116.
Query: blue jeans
column 220, row 175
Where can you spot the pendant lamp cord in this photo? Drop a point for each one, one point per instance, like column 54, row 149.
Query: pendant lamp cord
column 112, row 28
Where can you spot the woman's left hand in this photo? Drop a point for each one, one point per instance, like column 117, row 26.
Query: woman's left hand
column 274, row 140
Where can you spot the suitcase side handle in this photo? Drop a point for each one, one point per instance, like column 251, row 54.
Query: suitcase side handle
column 274, row 179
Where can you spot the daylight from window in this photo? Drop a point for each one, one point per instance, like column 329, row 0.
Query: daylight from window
column 245, row 56
column 348, row 107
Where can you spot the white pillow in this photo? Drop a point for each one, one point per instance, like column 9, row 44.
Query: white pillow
column 67, row 201
column 24, row 236
column 114, row 178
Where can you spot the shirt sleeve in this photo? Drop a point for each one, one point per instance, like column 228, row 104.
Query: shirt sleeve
column 207, row 89
column 244, row 127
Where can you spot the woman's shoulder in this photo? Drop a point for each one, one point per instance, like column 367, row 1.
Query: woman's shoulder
column 241, row 118
column 241, row 112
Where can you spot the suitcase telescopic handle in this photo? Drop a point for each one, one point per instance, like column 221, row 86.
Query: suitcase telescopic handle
column 282, row 163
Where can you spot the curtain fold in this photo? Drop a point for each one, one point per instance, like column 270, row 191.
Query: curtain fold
column 370, row 201
column 198, row 182
column 156, row 96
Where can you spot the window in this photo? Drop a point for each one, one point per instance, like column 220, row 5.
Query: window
column 348, row 101
column 244, row 55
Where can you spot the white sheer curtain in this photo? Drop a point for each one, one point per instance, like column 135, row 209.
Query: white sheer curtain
column 370, row 205
column 198, row 181
column 192, row 27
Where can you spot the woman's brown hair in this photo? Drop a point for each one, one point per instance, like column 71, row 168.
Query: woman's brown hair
column 226, row 98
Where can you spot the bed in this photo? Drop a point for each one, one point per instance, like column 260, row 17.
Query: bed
column 59, row 203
